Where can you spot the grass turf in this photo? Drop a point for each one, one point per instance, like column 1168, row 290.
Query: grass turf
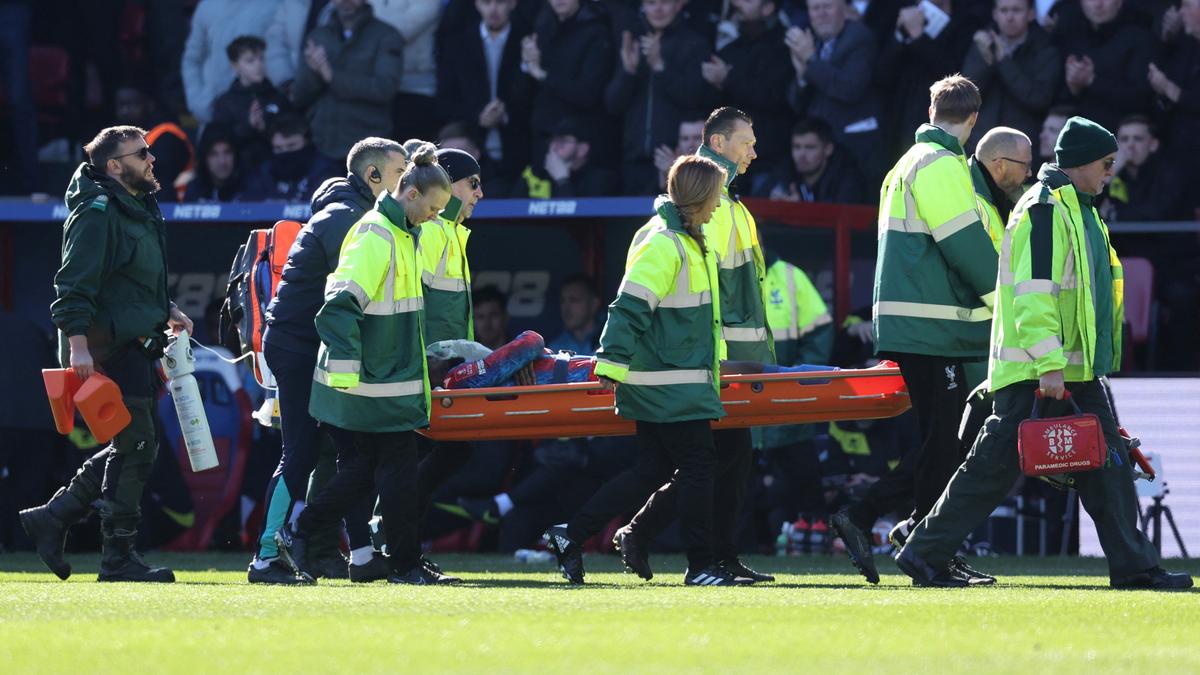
column 1047, row 615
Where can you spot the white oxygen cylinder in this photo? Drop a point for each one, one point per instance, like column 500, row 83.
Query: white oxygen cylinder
column 179, row 364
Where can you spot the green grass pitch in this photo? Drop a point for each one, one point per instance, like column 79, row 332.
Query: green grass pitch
column 1046, row 616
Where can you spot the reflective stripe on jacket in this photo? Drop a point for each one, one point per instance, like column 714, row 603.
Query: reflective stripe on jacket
column 662, row 337
column 1045, row 313
column 371, row 373
column 446, row 278
column 935, row 274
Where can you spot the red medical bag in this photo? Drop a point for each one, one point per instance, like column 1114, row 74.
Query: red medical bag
column 1054, row 445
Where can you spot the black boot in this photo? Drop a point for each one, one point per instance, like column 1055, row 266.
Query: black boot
column 47, row 526
column 120, row 562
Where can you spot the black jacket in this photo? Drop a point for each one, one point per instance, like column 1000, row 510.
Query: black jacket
column 1157, row 193
column 577, row 55
column 840, row 183
column 232, row 109
column 652, row 104
column 1121, row 51
column 1181, row 120
column 464, row 90
column 757, row 84
column 1017, row 91
column 336, row 206
column 289, row 176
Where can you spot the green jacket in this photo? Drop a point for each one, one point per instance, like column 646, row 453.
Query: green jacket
column 371, row 373
column 446, row 278
column 112, row 285
column 803, row 330
column 985, row 204
column 935, row 274
column 733, row 234
column 662, row 337
column 1045, row 312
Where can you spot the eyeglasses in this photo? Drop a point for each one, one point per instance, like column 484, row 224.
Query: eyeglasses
column 1017, row 161
column 474, row 183
column 1108, row 163
column 142, row 153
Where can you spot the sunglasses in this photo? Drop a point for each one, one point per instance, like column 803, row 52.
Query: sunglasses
column 1108, row 163
column 474, row 183
column 142, row 153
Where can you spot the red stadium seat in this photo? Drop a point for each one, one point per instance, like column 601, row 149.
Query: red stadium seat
column 1140, row 309
column 50, row 68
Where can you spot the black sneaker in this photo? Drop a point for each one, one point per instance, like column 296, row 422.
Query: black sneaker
column 924, row 575
column 739, row 569
column 715, row 576
column 959, row 564
column 277, row 573
column 1155, row 579
column 482, row 509
column 420, row 575
column 330, row 567
column 899, row 534
column 374, row 570
column 632, row 553
column 568, row 553
column 858, row 547
column 293, row 550
column 437, row 569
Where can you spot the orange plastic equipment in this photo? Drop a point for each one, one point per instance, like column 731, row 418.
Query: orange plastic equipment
column 61, row 385
column 100, row 405
column 586, row 409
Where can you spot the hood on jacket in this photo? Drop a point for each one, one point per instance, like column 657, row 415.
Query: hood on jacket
column 87, row 184
column 349, row 190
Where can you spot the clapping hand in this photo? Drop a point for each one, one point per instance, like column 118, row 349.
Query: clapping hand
column 318, row 60
column 664, row 157
column 788, row 194
column 651, row 45
column 912, row 21
column 1080, row 73
column 801, row 46
column 630, row 54
column 531, row 56
column 255, row 118
column 492, row 114
column 715, row 71
column 1162, row 85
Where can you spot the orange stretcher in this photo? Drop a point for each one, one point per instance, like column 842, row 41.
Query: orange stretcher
column 586, row 409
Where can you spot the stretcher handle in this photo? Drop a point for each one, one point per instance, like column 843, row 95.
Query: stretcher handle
column 1038, row 396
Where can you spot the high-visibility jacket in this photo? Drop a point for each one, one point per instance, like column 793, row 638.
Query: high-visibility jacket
column 662, row 337
column 733, row 234
column 803, row 330
column 446, row 278
column 371, row 373
column 989, row 215
column 1045, row 312
column 935, row 274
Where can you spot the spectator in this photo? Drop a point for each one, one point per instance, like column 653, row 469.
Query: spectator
column 656, row 80
column 567, row 170
column 752, row 72
column 294, row 169
column 1145, row 186
column 917, row 53
column 22, row 172
column 1107, row 57
column 1016, row 68
column 1175, row 79
column 834, row 65
column 490, row 308
column 818, row 171
column 687, row 142
column 350, row 73
column 478, row 72
column 1052, row 125
column 565, row 62
column 417, row 112
column 293, row 20
column 174, row 157
column 251, row 103
column 218, row 177
column 458, row 135
column 578, row 304
column 214, row 25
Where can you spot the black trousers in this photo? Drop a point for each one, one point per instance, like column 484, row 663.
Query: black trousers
column 938, row 389
column 383, row 461
column 683, row 448
column 735, row 458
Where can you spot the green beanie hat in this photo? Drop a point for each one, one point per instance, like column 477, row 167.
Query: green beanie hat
column 1082, row 141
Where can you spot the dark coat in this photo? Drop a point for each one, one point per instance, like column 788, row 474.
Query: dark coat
column 232, row 109
column 577, row 55
column 1121, row 51
column 357, row 101
column 290, row 176
column 464, row 90
column 840, row 183
column 1180, row 121
column 757, row 84
column 336, row 206
column 1017, row 91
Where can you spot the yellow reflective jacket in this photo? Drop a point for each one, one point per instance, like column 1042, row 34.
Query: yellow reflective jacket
column 446, row 278
column 371, row 373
